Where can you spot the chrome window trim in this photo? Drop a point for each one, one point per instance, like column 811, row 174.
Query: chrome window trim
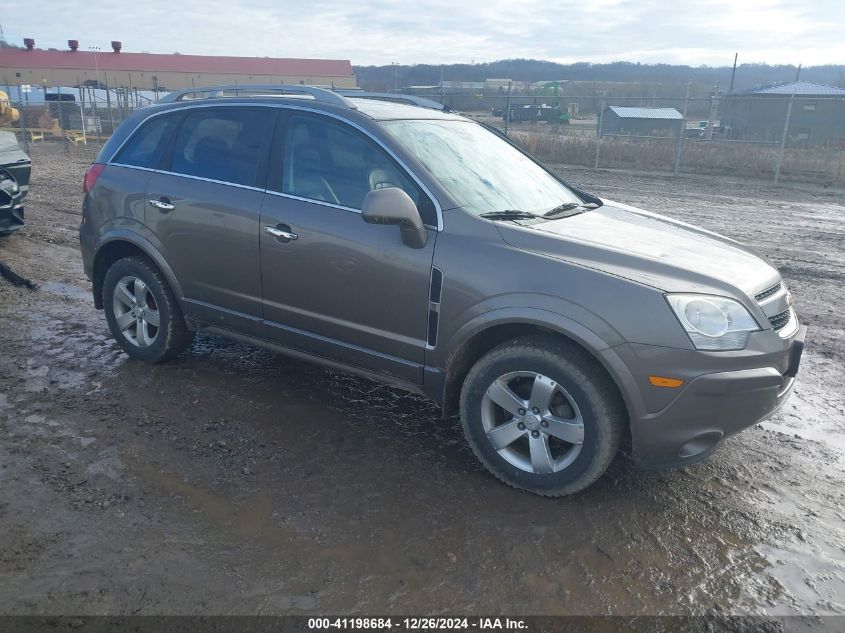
column 437, row 208
column 191, row 176
column 259, row 189
column 202, row 178
column 125, row 166
column 311, row 200
column 323, row 203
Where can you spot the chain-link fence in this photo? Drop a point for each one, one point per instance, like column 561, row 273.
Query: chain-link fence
column 770, row 136
column 73, row 116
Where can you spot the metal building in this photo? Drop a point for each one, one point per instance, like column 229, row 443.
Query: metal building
column 642, row 121
column 816, row 117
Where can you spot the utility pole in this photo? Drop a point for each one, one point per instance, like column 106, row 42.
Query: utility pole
column 108, row 101
column 798, row 72
column 682, row 131
column 508, row 107
column 93, row 93
column 442, row 88
column 784, row 137
column 96, row 49
column 733, row 73
column 92, row 99
column 598, row 132
column 82, row 109
column 714, row 108
column 25, row 88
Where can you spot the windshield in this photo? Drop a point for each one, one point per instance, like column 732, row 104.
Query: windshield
column 481, row 171
column 8, row 142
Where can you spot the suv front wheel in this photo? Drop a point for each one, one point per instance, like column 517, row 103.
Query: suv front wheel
column 542, row 415
column 142, row 313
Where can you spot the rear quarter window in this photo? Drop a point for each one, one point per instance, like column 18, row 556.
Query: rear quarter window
column 147, row 143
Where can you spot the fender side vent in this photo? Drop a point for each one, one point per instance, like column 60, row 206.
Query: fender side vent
column 433, row 317
column 436, row 285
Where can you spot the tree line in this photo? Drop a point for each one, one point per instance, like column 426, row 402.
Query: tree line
column 748, row 76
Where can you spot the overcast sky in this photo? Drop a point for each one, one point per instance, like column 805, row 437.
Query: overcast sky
column 448, row 31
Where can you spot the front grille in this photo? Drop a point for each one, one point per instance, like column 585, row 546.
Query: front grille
column 780, row 320
column 768, row 292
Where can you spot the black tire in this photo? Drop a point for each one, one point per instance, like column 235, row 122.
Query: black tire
column 580, row 375
column 172, row 335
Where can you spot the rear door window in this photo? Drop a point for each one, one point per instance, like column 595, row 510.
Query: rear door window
column 146, row 145
column 224, row 144
column 332, row 162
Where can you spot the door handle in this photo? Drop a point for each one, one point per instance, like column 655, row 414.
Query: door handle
column 280, row 234
column 162, row 205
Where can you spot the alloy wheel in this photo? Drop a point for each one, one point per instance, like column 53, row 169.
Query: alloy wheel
column 136, row 311
column 532, row 422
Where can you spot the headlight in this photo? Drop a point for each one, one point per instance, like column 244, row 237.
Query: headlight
column 8, row 184
column 713, row 323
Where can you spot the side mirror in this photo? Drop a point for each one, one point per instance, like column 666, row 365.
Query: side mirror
column 391, row 205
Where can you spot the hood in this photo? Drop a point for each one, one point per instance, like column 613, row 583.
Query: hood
column 647, row 247
column 13, row 155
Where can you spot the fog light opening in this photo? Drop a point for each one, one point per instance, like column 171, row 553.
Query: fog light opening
column 700, row 444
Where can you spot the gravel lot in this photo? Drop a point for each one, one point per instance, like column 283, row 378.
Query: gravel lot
column 237, row 481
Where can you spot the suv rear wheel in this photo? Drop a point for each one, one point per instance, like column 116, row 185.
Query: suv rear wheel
column 541, row 415
column 142, row 313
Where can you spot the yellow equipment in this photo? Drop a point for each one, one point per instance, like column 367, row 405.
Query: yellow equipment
column 8, row 114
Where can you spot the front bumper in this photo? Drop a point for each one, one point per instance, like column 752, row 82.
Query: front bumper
column 714, row 405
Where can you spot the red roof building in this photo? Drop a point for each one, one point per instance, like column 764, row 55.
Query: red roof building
column 164, row 72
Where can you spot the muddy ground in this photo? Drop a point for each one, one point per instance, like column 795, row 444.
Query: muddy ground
column 234, row 480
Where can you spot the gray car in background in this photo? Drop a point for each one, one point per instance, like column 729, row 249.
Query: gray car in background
column 15, row 168
column 14, row 160
column 421, row 249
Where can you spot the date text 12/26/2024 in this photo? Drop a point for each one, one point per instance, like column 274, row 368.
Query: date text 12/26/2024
column 418, row 624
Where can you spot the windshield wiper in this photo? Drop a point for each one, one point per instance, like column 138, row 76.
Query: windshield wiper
column 570, row 208
column 563, row 210
column 510, row 214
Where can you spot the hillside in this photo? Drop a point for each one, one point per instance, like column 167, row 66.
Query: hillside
column 529, row 70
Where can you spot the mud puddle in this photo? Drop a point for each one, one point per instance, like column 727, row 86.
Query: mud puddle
column 816, row 409
column 353, row 484
column 67, row 290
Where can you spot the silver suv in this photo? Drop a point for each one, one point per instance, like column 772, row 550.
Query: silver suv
column 419, row 248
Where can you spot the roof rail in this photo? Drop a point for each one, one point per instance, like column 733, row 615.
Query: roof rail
column 396, row 97
column 214, row 92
